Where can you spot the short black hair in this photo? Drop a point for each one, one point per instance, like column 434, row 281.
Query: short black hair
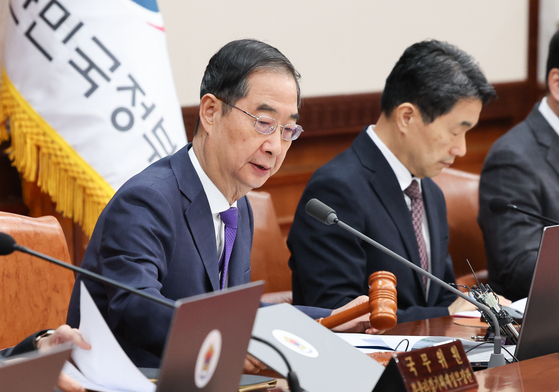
column 553, row 55
column 434, row 76
column 228, row 71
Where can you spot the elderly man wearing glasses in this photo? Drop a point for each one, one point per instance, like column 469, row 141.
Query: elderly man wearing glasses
column 165, row 230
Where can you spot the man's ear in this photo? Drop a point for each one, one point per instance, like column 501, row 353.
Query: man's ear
column 553, row 83
column 406, row 114
column 210, row 109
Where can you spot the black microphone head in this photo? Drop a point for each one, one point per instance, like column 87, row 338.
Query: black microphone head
column 321, row 211
column 498, row 205
column 7, row 244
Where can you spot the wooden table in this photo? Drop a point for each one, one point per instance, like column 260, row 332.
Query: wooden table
column 441, row 326
column 534, row 375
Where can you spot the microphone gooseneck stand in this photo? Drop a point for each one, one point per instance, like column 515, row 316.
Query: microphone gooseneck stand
column 498, row 205
column 8, row 245
column 327, row 215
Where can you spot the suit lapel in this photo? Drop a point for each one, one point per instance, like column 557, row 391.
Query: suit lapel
column 385, row 185
column 546, row 137
column 200, row 223
column 197, row 214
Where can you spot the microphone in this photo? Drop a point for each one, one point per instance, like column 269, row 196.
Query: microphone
column 292, row 379
column 327, row 215
column 320, row 211
column 498, row 205
column 8, row 245
column 485, row 295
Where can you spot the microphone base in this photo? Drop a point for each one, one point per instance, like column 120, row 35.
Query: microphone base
column 496, row 360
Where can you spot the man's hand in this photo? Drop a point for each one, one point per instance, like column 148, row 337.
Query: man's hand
column 64, row 334
column 503, row 301
column 461, row 305
column 358, row 325
column 68, row 384
column 253, row 365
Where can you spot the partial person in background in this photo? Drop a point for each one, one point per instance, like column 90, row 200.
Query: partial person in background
column 522, row 167
column 42, row 340
column 381, row 186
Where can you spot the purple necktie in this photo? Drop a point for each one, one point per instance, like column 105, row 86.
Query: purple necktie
column 417, row 217
column 229, row 217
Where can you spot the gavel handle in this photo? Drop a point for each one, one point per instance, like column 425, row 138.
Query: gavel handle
column 345, row 316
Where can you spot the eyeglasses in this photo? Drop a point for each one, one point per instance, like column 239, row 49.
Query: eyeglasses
column 267, row 125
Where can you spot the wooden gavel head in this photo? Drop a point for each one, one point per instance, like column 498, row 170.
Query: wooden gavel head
column 382, row 300
column 382, row 304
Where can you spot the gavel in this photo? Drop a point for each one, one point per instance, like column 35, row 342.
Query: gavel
column 382, row 304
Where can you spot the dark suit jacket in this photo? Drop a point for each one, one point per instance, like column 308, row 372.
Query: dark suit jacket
column 157, row 235
column 26, row 345
column 331, row 266
column 522, row 167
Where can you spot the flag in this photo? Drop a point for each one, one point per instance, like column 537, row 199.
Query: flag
column 87, row 98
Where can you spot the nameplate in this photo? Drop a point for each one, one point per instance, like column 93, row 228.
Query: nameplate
column 443, row 367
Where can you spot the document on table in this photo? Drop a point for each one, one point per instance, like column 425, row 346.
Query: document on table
column 398, row 342
column 401, row 342
column 106, row 365
column 376, row 343
column 71, row 371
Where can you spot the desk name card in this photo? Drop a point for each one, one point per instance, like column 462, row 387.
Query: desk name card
column 441, row 368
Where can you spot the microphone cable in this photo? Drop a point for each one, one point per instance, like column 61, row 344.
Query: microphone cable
column 292, row 379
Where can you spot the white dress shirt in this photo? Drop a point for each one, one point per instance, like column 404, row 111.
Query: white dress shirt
column 218, row 202
column 404, row 179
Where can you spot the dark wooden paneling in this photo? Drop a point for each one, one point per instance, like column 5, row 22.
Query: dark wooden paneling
column 331, row 128
column 331, row 123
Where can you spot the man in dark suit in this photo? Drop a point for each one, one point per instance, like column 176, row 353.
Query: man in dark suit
column 164, row 231
column 523, row 168
column 432, row 97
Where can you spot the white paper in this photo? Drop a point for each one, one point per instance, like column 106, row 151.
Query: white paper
column 477, row 352
column 364, row 341
column 70, row 370
column 469, row 314
column 483, row 353
column 380, row 342
column 519, row 305
column 400, row 342
column 105, row 364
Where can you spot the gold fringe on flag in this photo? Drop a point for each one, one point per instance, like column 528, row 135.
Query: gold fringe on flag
column 41, row 155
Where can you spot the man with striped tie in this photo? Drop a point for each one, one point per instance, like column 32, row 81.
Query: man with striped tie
column 381, row 186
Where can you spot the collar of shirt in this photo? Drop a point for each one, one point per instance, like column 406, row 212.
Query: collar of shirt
column 218, row 202
column 549, row 115
column 404, row 179
column 402, row 173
